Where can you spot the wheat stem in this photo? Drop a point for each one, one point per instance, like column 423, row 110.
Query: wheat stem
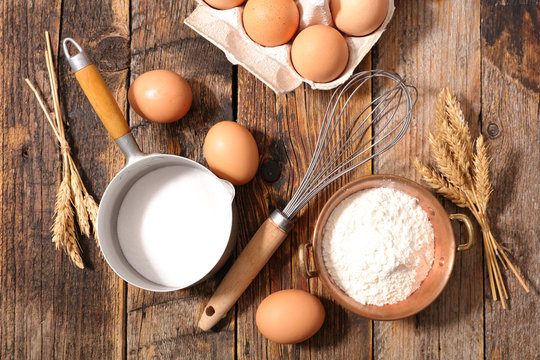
column 45, row 110
column 92, row 208
column 53, row 83
column 492, row 262
column 463, row 178
column 78, row 202
column 72, row 194
column 490, row 272
column 520, row 279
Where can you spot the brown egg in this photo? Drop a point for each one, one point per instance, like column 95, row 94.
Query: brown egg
column 358, row 17
column 224, row 4
column 290, row 316
column 231, row 152
column 271, row 22
column 320, row 53
column 161, row 96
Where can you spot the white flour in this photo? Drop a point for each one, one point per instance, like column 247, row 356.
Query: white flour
column 378, row 246
column 173, row 225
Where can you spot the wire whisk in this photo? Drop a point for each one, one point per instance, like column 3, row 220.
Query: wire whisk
column 338, row 153
column 341, row 147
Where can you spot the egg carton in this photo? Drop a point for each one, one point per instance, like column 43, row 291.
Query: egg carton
column 272, row 65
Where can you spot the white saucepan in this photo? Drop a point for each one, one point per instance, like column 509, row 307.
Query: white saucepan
column 165, row 222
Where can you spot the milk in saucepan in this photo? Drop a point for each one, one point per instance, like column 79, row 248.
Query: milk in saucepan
column 174, row 224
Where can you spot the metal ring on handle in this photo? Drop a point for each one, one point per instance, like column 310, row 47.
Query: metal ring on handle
column 77, row 61
column 281, row 220
column 471, row 233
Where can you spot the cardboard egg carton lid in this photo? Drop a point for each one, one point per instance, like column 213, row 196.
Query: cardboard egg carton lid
column 272, row 65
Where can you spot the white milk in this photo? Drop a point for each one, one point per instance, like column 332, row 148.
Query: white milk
column 174, row 225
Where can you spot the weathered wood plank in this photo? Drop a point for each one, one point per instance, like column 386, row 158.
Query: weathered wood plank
column 165, row 324
column 510, row 122
column 344, row 335
column 49, row 309
column 89, row 305
column 28, row 173
column 52, row 309
column 433, row 45
column 286, row 128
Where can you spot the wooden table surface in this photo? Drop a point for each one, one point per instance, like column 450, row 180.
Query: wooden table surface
column 486, row 51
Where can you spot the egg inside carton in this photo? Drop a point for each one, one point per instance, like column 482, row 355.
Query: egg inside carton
column 272, row 65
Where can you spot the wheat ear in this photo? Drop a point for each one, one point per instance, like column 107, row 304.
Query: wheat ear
column 92, row 208
column 78, row 203
column 440, row 184
column 61, row 209
column 446, row 163
column 64, row 223
column 482, row 184
column 460, row 141
column 450, row 143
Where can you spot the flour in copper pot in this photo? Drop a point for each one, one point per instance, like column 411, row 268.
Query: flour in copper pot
column 378, row 246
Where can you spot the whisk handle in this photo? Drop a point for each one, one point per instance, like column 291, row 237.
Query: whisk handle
column 255, row 255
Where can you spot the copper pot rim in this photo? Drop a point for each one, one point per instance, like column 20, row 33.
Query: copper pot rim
column 439, row 274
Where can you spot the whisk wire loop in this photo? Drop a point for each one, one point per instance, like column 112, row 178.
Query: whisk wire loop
column 340, row 147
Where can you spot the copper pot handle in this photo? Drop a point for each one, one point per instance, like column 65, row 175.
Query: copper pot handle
column 303, row 259
column 471, row 233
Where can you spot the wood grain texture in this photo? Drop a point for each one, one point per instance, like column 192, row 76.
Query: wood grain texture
column 286, row 128
column 435, row 44
column 486, row 51
column 165, row 324
column 57, row 310
column 28, row 181
column 511, row 124
column 90, row 305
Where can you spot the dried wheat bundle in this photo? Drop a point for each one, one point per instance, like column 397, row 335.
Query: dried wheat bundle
column 462, row 176
column 72, row 194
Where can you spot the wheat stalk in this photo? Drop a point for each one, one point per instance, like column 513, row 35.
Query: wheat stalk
column 62, row 211
column 78, row 203
column 72, row 193
column 463, row 178
column 440, row 184
column 63, row 228
column 90, row 205
column 460, row 139
column 446, row 162
column 451, row 143
column 71, row 244
column 92, row 208
column 482, row 184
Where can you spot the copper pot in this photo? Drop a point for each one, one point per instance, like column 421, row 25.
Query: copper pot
column 445, row 249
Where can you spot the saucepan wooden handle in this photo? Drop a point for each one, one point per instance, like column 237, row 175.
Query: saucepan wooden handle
column 102, row 101
column 97, row 91
column 250, row 262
